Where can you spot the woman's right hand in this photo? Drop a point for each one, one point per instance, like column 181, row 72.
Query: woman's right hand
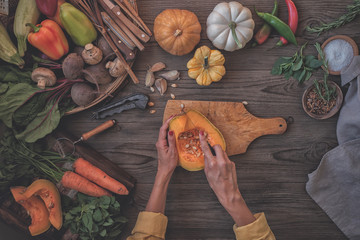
column 221, row 175
column 220, row 172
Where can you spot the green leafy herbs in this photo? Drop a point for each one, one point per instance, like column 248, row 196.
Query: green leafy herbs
column 352, row 11
column 95, row 218
column 322, row 88
column 20, row 162
column 299, row 66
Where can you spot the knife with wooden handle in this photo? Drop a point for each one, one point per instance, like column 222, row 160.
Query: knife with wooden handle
column 129, row 55
column 129, row 10
column 117, row 31
column 117, row 12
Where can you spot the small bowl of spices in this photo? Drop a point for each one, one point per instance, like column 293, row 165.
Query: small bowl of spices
column 339, row 51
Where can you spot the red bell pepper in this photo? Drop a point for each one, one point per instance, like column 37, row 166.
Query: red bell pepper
column 293, row 21
column 47, row 7
column 56, row 17
column 49, row 39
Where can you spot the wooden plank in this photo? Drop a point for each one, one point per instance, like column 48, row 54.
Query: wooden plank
column 272, row 173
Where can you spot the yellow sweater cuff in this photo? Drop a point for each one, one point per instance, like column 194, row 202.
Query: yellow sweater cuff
column 151, row 224
column 259, row 229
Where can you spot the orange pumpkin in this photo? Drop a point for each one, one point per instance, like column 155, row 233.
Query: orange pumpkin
column 48, row 192
column 186, row 128
column 36, row 209
column 177, row 31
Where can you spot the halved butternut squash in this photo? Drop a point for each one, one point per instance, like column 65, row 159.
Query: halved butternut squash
column 186, row 128
column 36, row 209
column 49, row 193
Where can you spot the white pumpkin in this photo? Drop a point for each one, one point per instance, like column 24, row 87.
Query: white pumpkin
column 230, row 26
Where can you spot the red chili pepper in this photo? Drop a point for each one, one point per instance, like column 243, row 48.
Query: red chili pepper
column 293, row 21
column 47, row 7
column 264, row 32
column 49, row 39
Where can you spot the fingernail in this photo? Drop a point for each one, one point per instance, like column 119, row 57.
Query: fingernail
column 171, row 133
column 202, row 133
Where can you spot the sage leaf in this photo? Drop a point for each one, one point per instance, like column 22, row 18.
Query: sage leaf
column 298, row 64
column 316, row 63
column 302, row 76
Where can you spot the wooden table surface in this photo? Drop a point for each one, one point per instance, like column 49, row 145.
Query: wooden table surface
column 272, row 173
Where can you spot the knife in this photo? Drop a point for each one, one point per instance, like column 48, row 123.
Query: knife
column 132, row 13
column 129, row 55
column 133, row 28
column 117, row 31
column 137, row 100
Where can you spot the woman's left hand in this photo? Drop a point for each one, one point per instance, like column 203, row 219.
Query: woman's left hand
column 167, row 153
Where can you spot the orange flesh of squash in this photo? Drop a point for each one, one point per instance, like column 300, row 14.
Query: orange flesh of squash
column 51, row 197
column 186, row 129
column 36, row 209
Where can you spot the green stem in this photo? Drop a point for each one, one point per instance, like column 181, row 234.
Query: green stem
column 34, row 27
column 206, row 62
column 232, row 26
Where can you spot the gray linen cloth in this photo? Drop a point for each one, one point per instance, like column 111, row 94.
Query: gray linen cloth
column 335, row 184
column 348, row 126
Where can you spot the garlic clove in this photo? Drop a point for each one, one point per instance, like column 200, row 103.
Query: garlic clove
column 157, row 67
column 161, row 85
column 171, row 75
column 149, row 79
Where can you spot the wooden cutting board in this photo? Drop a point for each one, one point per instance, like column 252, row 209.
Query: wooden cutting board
column 238, row 126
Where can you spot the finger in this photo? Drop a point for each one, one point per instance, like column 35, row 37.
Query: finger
column 171, row 141
column 162, row 133
column 204, row 145
column 219, row 152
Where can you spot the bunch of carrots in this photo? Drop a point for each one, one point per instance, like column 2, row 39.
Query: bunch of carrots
column 90, row 180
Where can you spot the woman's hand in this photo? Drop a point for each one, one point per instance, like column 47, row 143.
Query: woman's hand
column 221, row 175
column 167, row 153
column 167, row 162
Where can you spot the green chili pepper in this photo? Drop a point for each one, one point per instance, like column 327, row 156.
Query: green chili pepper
column 282, row 28
column 264, row 32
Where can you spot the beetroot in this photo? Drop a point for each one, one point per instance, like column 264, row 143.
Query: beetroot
column 82, row 94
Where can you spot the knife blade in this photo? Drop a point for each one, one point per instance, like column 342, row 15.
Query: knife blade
column 137, row 100
column 129, row 55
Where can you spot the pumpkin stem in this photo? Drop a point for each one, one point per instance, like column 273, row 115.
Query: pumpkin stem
column 232, row 26
column 206, row 62
column 177, row 33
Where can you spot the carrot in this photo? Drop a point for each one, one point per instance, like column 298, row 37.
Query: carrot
column 96, row 175
column 81, row 184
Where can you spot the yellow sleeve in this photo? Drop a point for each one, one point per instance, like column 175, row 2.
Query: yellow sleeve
column 149, row 226
column 257, row 230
